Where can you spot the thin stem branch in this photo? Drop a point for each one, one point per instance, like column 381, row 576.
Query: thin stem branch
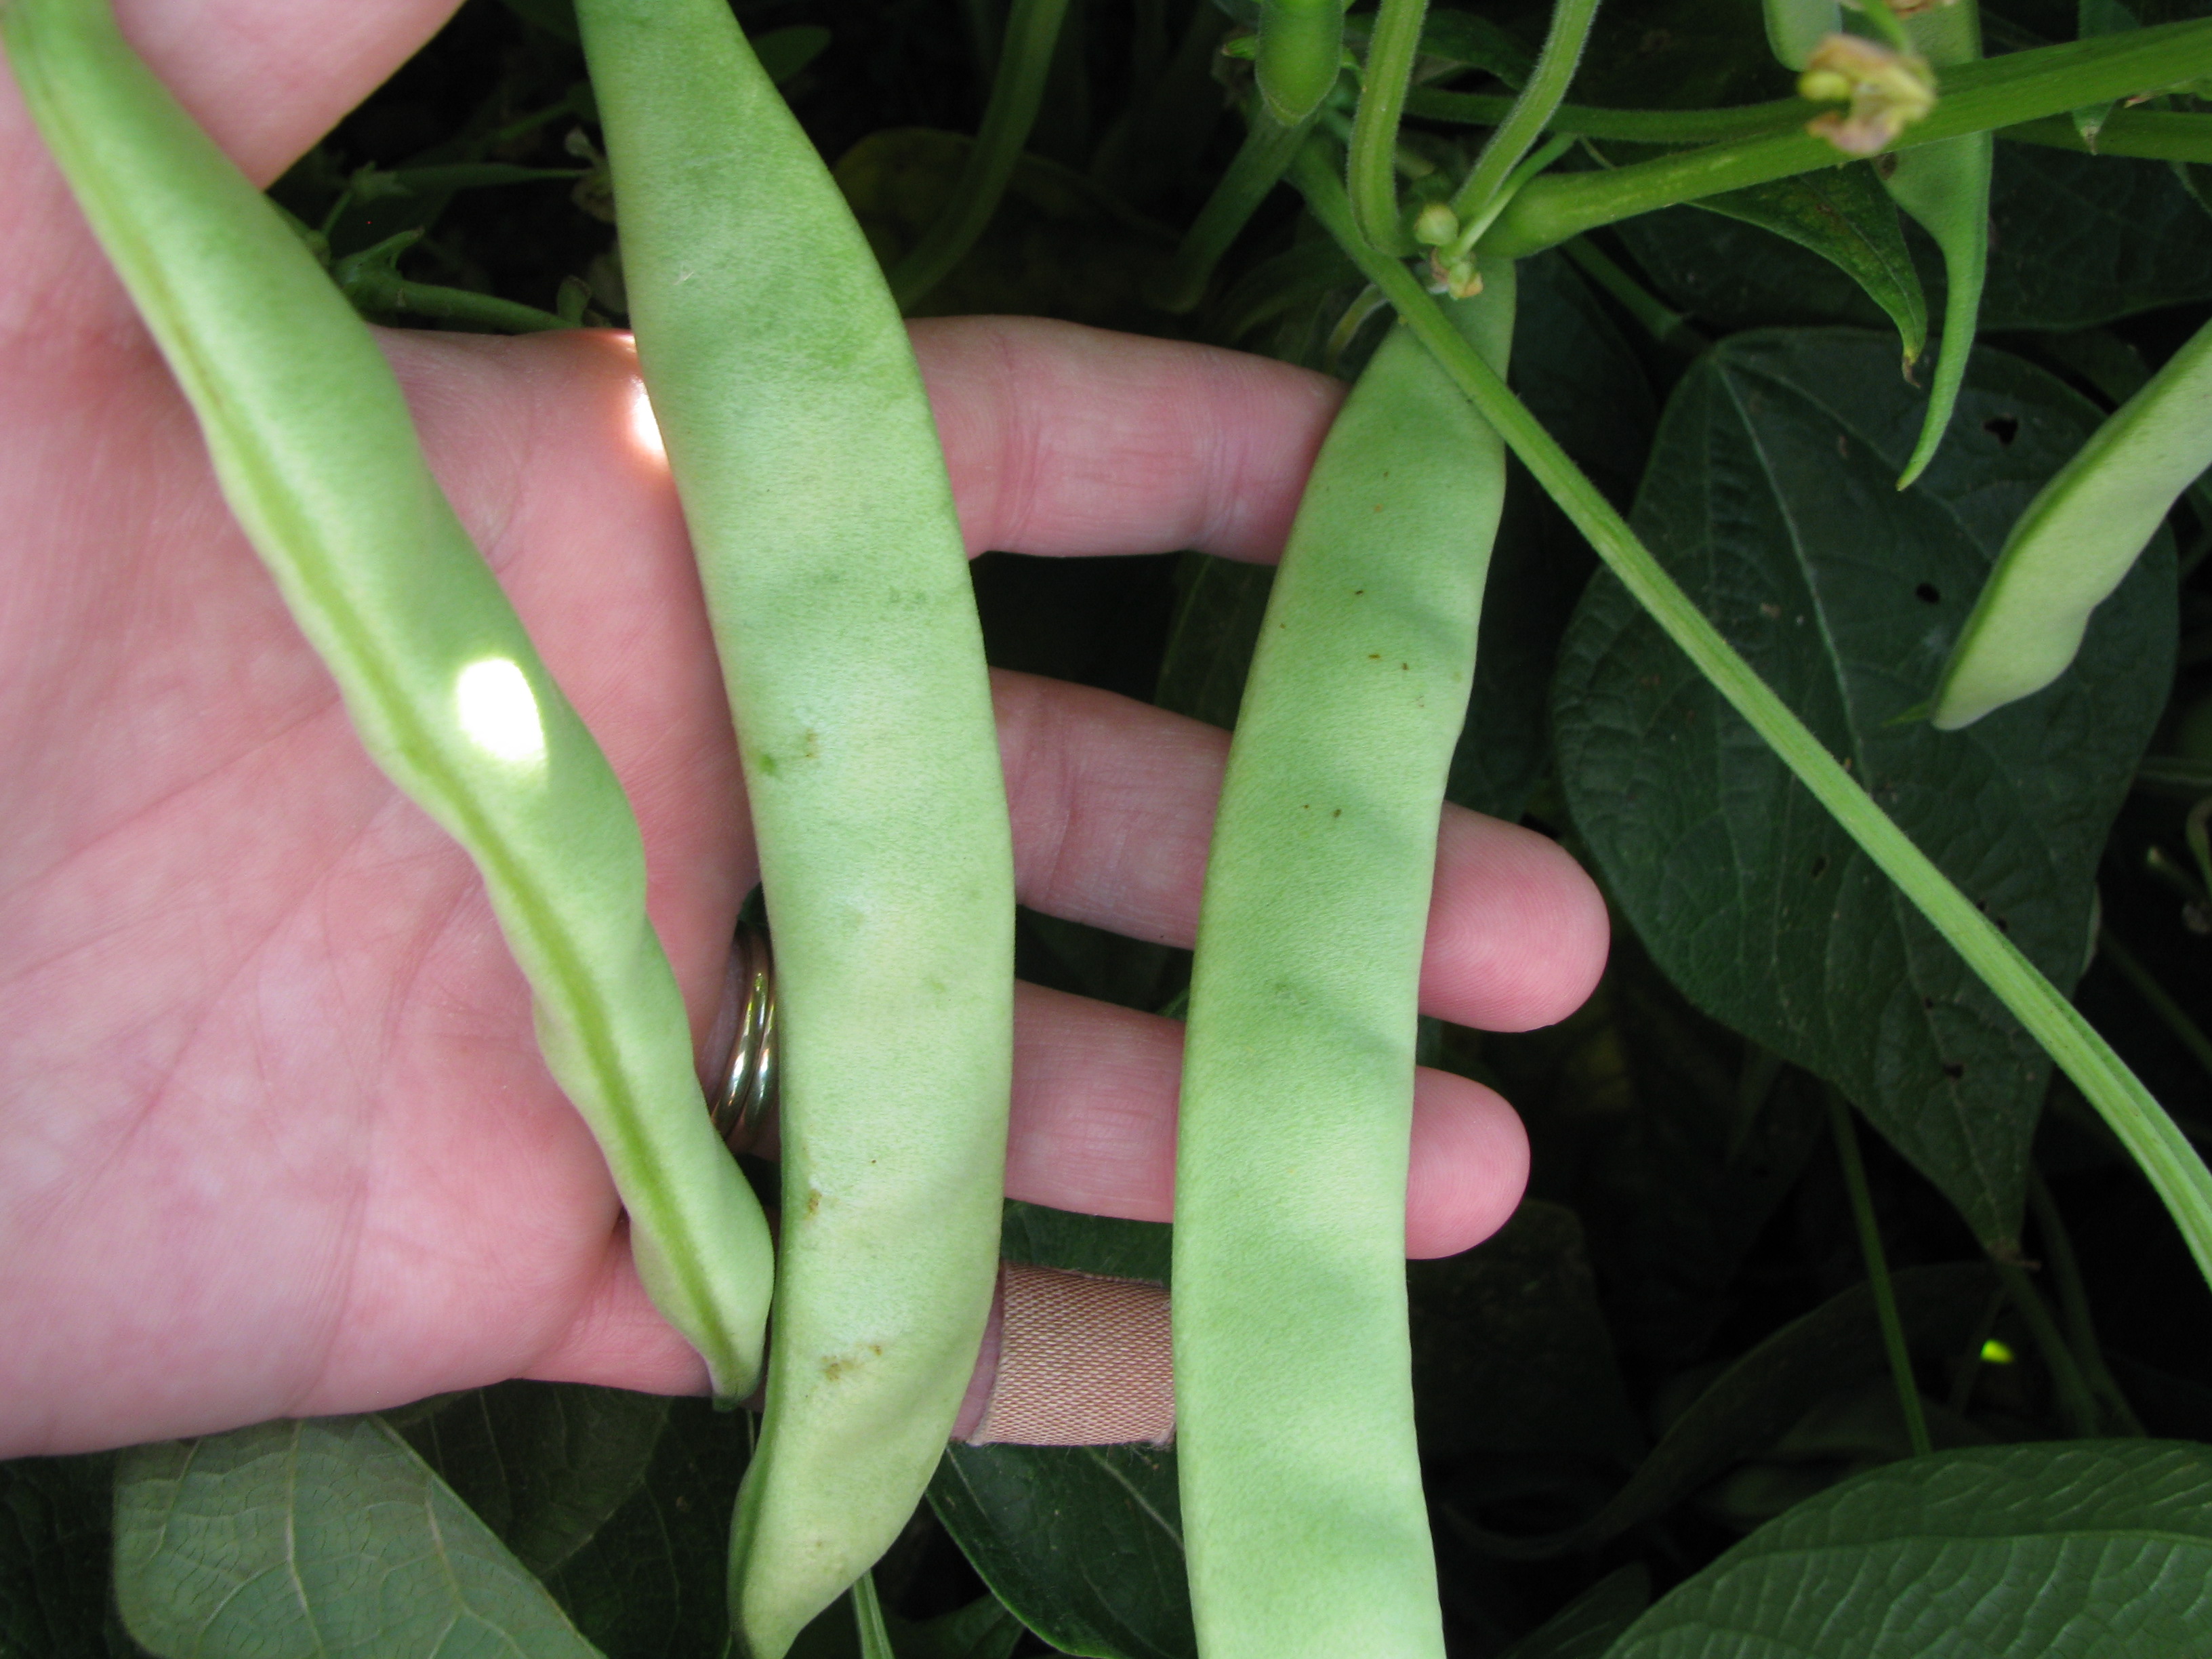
column 1532, row 112
column 387, row 295
column 1258, row 164
column 1665, row 326
column 2074, row 1303
column 2076, row 1403
column 1962, row 1386
column 1017, row 92
column 2000, row 92
column 1877, row 1266
column 1371, row 170
column 868, row 1619
column 2159, row 1148
column 1641, row 126
column 2174, row 1016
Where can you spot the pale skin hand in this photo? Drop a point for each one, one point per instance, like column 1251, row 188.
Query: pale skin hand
column 274, row 1138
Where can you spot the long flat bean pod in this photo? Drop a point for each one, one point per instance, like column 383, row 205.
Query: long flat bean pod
column 2078, row 539
column 1301, row 1487
column 816, row 494
column 1946, row 186
column 316, row 455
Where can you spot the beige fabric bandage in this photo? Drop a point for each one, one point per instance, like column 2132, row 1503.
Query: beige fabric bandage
column 1082, row 1361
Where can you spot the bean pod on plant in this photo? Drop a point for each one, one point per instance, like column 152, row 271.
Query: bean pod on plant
column 1306, row 1527
column 2078, row 539
column 316, row 455
column 835, row 579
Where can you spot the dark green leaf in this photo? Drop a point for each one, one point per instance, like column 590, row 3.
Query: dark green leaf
column 650, row 1583
column 1768, row 497
column 542, row 1464
column 1586, row 1626
column 984, row 1629
column 1843, row 215
column 1770, row 1387
column 1086, row 1243
column 318, row 1537
column 1511, row 1353
column 1676, row 1196
column 1084, row 1543
column 53, row 1557
column 2074, row 241
column 1057, row 245
column 2002, row 1552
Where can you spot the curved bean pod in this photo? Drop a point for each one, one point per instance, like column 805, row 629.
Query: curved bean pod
column 1301, row 49
column 2078, row 539
column 316, row 455
column 1946, row 186
column 815, row 489
column 1307, row 1531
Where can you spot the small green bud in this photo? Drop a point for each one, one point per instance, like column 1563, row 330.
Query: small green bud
column 1437, row 225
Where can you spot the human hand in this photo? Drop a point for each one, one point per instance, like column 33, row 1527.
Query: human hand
column 279, row 1141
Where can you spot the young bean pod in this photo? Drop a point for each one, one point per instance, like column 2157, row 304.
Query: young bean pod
column 316, row 455
column 2078, row 539
column 1301, row 49
column 1307, row 1531
column 815, row 489
column 1946, row 186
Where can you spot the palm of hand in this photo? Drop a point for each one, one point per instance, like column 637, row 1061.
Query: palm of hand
column 278, row 1138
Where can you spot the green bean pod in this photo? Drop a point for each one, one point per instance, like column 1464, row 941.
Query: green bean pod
column 1306, row 1533
column 1300, row 51
column 2078, row 539
column 316, row 455
column 1946, row 186
column 1794, row 27
column 816, row 493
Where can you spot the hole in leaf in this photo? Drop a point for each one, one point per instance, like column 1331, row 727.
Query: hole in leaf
column 2003, row 428
column 1954, row 1069
column 1928, row 593
column 1820, row 867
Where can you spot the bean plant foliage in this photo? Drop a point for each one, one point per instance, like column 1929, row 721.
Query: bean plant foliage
column 1665, row 1411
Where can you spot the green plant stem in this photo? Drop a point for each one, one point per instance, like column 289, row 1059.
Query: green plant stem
column 1532, row 111
column 1877, row 1266
column 2024, row 86
column 1371, row 170
column 2175, row 1016
column 1017, row 92
column 868, row 1619
column 1642, row 126
column 388, row 295
column 2152, row 135
column 2166, row 1157
column 1259, row 164
column 2074, row 1303
column 2075, row 1402
column 1665, row 326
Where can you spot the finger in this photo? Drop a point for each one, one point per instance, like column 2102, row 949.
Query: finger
column 267, row 77
column 1061, row 439
column 1093, row 1131
column 1114, row 802
column 1094, row 1121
